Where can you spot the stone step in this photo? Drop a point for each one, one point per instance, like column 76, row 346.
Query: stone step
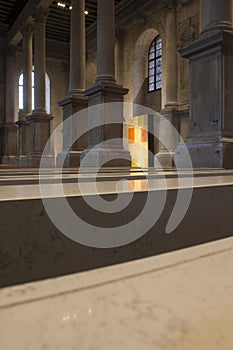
column 32, row 248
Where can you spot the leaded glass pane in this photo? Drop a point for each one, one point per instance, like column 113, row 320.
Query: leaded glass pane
column 159, row 85
column 20, row 97
column 159, row 62
column 151, row 87
column 152, row 56
column 151, row 72
column 152, row 64
column 152, row 49
column 159, row 53
column 151, row 79
column 21, row 79
column 33, row 79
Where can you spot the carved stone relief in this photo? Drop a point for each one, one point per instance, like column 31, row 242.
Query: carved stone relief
column 188, row 30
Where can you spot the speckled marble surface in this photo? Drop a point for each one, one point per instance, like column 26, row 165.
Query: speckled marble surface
column 181, row 300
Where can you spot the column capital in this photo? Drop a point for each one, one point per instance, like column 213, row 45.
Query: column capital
column 172, row 5
column 40, row 14
column 27, row 29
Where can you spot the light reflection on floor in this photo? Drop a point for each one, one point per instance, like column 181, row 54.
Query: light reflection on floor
column 19, row 185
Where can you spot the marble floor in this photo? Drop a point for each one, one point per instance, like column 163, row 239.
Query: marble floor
column 22, row 184
column 176, row 301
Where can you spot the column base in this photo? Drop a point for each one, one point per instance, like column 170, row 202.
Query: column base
column 9, row 160
column 167, row 126
column 9, row 143
column 209, row 154
column 210, row 124
column 106, row 157
column 165, row 159
column 34, row 160
column 106, row 153
column 20, row 161
column 72, row 159
column 39, row 133
column 71, row 105
column 23, row 137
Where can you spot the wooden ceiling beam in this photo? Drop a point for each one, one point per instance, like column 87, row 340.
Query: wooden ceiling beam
column 13, row 36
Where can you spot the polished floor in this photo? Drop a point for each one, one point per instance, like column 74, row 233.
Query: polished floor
column 176, row 301
column 19, row 184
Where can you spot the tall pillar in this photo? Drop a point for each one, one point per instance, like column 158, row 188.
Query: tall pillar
column 216, row 16
column 106, row 90
column 39, row 121
column 165, row 155
column 119, row 55
column 23, row 125
column 10, row 129
column 76, row 100
column 210, row 141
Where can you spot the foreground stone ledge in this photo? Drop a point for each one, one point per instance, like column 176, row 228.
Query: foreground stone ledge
column 182, row 298
column 32, row 248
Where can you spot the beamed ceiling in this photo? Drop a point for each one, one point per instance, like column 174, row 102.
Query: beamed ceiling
column 58, row 21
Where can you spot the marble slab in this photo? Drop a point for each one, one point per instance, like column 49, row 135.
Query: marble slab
column 181, row 300
column 32, row 248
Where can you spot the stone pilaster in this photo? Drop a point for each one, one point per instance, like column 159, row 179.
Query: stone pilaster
column 210, row 140
column 22, row 123
column 9, row 128
column 119, row 55
column 165, row 155
column 106, row 90
column 39, row 121
column 76, row 100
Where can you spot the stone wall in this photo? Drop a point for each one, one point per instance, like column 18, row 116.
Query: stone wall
column 58, row 72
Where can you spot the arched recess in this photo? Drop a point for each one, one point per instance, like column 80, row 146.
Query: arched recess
column 140, row 69
column 141, row 94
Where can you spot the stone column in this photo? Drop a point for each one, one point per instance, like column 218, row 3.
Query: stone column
column 210, row 140
column 216, row 16
column 77, row 48
column 119, row 55
column 27, row 69
column 23, row 125
column 106, row 41
column 9, row 128
column 106, row 90
column 76, row 100
column 39, row 121
column 165, row 155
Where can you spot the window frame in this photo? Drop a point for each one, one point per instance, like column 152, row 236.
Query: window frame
column 48, row 91
column 154, row 63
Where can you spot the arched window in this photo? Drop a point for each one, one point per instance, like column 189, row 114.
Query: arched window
column 33, row 87
column 155, row 65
